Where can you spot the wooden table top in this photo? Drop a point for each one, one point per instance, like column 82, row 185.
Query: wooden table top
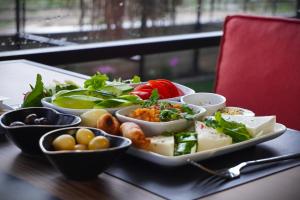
column 14, row 79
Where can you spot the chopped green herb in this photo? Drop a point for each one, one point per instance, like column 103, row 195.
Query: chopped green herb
column 169, row 115
column 187, row 109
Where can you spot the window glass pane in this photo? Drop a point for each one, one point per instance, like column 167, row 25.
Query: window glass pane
column 69, row 22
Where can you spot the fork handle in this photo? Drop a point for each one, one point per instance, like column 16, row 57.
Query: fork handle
column 272, row 159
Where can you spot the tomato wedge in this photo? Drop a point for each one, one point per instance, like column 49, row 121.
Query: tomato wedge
column 143, row 86
column 166, row 89
column 173, row 90
column 163, row 91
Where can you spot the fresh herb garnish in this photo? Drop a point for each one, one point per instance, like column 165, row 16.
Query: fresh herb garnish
column 169, row 115
column 188, row 113
column 187, row 109
column 96, row 82
column 167, row 111
column 237, row 131
column 33, row 98
column 152, row 100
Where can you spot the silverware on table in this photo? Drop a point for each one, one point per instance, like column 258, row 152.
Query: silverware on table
column 235, row 172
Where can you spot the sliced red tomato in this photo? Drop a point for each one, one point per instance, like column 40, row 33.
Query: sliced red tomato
column 180, row 92
column 143, row 86
column 173, row 90
column 166, row 89
column 163, row 91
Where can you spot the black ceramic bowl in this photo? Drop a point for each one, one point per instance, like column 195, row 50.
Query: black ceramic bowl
column 83, row 164
column 27, row 137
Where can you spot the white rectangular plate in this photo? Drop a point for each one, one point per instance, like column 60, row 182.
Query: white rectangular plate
column 181, row 160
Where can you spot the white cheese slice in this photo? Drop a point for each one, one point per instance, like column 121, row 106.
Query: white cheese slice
column 163, row 145
column 255, row 125
column 208, row 138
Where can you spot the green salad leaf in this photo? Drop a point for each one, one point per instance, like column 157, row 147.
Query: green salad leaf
column 33, row 98
column 124, row 100
column 67, row 85
column 111, row 103
column 131, row 98
column 237, row 131
column 117, row 90
column 76, row 101
column 136, row 79
column 92, row 93
column 96, row 82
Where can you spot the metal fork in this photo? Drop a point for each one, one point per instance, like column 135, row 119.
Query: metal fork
column 235, row 172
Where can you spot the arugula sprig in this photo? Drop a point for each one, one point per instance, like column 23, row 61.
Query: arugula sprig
column 153, row 99
column 237, row 131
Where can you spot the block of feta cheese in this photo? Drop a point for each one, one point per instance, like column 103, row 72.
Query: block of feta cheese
column 255, row 125
column 208, row 138
column 163, row 145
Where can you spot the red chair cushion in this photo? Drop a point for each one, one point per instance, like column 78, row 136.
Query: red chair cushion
column 259, row 66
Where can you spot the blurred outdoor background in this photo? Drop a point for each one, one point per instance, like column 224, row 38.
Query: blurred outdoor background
column 48, row 23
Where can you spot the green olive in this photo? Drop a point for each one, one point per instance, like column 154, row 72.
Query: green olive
column 84, row 136
column 80, row 147
column 99, row 142
column 64, row 142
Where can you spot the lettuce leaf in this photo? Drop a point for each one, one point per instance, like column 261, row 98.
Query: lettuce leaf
column 136, row 79
column 96, row 82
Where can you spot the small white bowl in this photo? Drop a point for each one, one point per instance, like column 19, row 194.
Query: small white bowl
column 157, row 128
column 230, row 110
column 47, row 103
column 184, row 89
column 210, row 101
